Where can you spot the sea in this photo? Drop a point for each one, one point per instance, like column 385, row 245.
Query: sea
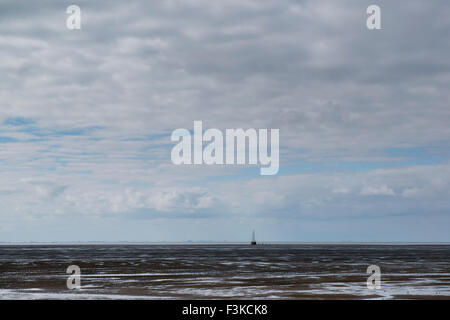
column 224, row 271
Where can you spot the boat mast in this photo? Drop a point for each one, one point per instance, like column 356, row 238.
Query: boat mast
column 253, row 238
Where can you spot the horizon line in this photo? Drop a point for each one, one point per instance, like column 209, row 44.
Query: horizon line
column 208, row 242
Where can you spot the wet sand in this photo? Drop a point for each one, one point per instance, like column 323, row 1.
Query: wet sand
column 292, row 271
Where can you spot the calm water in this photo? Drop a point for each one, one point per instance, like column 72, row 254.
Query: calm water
column 224, row 271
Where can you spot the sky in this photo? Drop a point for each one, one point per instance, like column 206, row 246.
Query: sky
column 86, row 117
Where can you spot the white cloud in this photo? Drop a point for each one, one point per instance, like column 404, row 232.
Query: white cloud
column 377, row 191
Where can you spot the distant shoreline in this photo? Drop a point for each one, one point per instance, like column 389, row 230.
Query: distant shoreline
column 4, row 243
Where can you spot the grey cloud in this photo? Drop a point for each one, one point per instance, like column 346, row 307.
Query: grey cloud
column 141, row 69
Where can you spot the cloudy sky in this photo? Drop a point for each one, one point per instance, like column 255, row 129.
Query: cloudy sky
column 86, row 117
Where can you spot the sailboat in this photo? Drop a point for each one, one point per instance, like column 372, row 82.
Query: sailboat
column 253, row 243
